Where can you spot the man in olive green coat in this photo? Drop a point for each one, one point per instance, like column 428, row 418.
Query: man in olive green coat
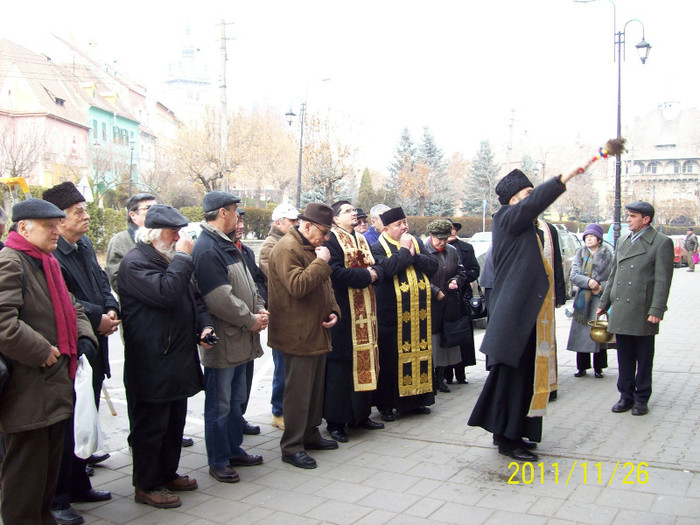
column 636, row 294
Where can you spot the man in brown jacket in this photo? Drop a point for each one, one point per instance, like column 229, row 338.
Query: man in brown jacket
column 302, row 311
column 42, row 330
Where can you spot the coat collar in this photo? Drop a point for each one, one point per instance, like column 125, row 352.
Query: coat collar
column 639, row 247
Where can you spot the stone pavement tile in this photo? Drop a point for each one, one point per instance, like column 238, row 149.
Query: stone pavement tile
column 500, row 517
column 120, row 486
column 434, row 471
column 286, row 479
column 217, row 510
column 585, row 494
column 660, row 481
column 338, row 512
column 351, row 473
column 117, row 460
column 439, row 453
column 403, row 519
column 586, row 513
column 124, row 510
column 193, row 461
column 229, row 491
column 384, row 463
column 677, row 505
column 252, row 515
column 283, row 500
column 171, row 517
column 398, row 482
column 344, row 492
column 468, row 473
column 459, row 513
column 376, row 517
column 622, row 499
column 423, row 487
column 388, row 500
column 424, row 507
column 686, row 521
column 545, row 506
column 284, row 518
column 694, row 487
column 393, row 447
column 465, row 494
column 630, row 517
column 507, row 500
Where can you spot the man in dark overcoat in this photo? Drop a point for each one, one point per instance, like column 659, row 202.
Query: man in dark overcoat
column 636, row 294
column 163, row 323
column 509, row 406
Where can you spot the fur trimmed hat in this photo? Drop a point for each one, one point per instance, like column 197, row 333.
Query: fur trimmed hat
column 63, row 195
column 511, row 184
column 392, row 215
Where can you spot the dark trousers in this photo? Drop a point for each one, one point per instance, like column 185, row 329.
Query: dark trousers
column 635, row 359
column 249, row 371
column 29, row 474
column 72, row 478
column 304, row 378
column 600, row 360
column 156, row 442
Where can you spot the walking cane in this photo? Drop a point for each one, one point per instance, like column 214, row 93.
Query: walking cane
column 108, row 399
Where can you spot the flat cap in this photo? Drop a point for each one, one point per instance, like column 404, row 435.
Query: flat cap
column 440, row 228
column 456, row 225
column 218, row 199
column 392, row 215
column 643, row 207
column 162, row 216
column 36, row 209
column 63, row 195
column 361, row 213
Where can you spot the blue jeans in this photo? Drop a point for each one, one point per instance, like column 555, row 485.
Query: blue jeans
column 277, row 383
column 225, row 390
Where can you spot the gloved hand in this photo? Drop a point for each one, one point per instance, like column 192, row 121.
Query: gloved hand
column 87, row 348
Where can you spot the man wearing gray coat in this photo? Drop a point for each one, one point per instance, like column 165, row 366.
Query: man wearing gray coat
column 636, row 294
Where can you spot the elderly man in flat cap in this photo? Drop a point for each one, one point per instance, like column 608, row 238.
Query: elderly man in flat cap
column 403, row 314
column 238, row 315
column 303, row 310
column 163, row 323
column 42, row 331
column 636, row 294
column 89, row 284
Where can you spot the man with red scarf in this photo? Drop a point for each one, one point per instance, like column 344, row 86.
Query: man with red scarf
column 41, row 330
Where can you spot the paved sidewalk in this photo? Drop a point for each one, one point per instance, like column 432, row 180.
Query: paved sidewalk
column 595, row 466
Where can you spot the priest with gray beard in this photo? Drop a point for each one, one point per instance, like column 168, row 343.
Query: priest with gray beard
column 164, row 320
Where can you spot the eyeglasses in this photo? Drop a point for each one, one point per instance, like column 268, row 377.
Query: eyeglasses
column 323, row 232
column 143, row 208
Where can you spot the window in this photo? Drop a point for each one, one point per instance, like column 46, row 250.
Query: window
column 688, row 167
column 676, row 167
column 652, row 167
column 94, row 129
column 104, row 132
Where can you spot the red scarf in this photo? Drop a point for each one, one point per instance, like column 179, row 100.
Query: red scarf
column 63, row 309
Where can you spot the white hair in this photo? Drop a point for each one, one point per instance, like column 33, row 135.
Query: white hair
column 147, row 235
column 377, row 210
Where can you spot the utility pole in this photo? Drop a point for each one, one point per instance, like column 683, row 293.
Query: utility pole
column 510, row 140
column 223, row 105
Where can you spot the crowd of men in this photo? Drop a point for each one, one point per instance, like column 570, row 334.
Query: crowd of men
column 354, row 311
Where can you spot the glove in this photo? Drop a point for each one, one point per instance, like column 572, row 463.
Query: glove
column 87, row 348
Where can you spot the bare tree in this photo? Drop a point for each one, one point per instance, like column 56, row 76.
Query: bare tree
column 21, row 147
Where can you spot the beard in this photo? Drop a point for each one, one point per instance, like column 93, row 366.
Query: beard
column 166, row 250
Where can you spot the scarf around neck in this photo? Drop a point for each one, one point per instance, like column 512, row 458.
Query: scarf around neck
column 63, row 309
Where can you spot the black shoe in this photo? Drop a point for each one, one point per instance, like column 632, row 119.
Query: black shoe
column 422, row 410
column 250, row 430
column 187, row 442
column 371, row 425
column 640, row 408
column 224, row 474
column 623, row 405
column 462, row 381
column 580, row 373
column 442, row 386
column 525, row 443
column 519, row 453
column 89, row 471
column 300, row 459
column 339, row 435
column 96, row 458
column 67, row 517
column 599, row 373
column 449, row 381
column 91, row 496
column 246, row 460
column 553, row 395
column 387, row 415
column 322, row 444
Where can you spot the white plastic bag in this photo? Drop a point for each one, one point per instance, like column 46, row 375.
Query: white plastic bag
column 86, row 423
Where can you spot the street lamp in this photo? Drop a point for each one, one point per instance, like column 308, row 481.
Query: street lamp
column 132, row 144
column 643, row 49
column 290, row 118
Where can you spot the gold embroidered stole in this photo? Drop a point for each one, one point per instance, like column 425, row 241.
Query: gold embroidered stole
column 415, row 368
column 363, row 313
column 545, row 346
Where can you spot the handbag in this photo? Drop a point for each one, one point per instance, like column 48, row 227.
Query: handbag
column 456, row 324
column 86, row 423
column 477, row 305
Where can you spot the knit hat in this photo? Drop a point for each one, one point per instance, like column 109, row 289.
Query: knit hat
column 593, row 229
column 36, row 209
column 63, row 195
column 511, row 184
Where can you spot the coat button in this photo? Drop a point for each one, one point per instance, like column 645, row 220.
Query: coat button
column 628, row 300
column 617, row 298
column 631, row 266
column 630, row 283
column 619, row 282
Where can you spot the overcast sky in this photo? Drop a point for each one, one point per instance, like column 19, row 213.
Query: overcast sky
column 461, row 67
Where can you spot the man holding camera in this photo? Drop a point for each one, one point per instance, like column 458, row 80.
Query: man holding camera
column 238, row 314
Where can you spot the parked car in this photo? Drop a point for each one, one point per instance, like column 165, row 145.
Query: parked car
column 569, row 243
column 680, row 255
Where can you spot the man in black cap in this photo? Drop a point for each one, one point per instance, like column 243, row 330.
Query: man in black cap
column 42, row 330
column 362, row 224
column 88, row 283
column 519, row 341
column 404, row 287
column 636, row 294
column 163, row 323
column 303, row 310
column 238, row 316
column 691, row 247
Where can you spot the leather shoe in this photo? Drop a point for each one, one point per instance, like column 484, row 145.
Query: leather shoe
column 97, row 458
column 181, row 484
column 89, row 471
column 640, row 408
column 580, row 373
column 224, row 474
column 371, row 425
column 442, row 386
column 278, row 421
column 300, row 459
column 322, row 444
column 387, row 415
column 67, row 517
column 520, row 453
column 91, row 496
column 250, row 430
column 525, row 443
column 187, row 442
column 339, row 435
column 159, row 498
column 246, row 460
column 422, row 410
column 599, row 373
column 623, row 405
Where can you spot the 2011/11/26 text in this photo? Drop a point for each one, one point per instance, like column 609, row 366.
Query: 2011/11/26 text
column 528, row 473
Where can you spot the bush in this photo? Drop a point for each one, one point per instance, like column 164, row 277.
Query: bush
column 104, row 224
column 257, row 221
column 193, row 213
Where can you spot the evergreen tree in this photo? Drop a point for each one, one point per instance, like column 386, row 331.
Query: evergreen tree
column 403, row 163
column 482, row 182
column 366, row 197
column 440, row 200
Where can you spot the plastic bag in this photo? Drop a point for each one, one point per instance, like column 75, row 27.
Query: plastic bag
column 86, row 423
